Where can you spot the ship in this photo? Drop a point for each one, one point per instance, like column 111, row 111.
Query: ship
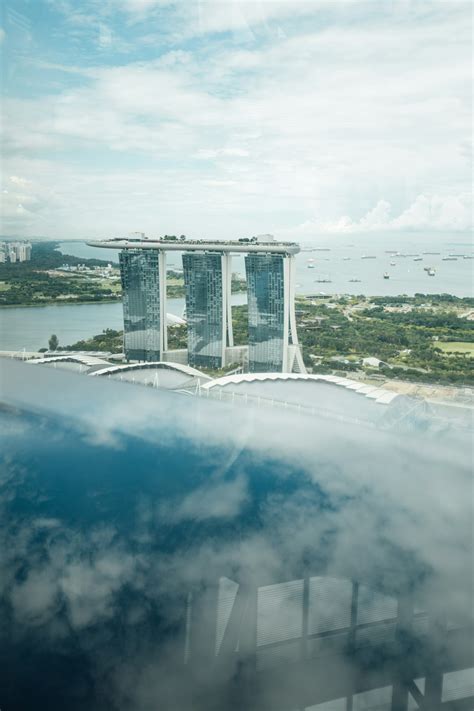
column 449, row 259
column 323, row 279
column 355, row 281
column 368, row 256
column 418, row 259
column 386, row 275
column 431, row 272
column 393, row 264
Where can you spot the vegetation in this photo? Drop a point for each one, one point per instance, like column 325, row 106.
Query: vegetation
column 53, row 342
column 35, row 282
column 456, row 347
column 406, row 334
column 109, row 341
column 432, row 342
column 40, row 281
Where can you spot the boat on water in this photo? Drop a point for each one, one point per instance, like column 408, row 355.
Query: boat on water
column 431, row 252
column 431, row 272
column 393, row 264
column 386, row 275
column 310, row 266
column 345, row 259
column 323, row 281
column 418, row 259
column 369, row 256
column 355, row 281
column 449, row 259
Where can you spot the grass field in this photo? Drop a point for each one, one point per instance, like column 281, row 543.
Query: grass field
column 459, row 346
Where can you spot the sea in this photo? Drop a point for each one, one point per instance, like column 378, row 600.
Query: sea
column 347, row 264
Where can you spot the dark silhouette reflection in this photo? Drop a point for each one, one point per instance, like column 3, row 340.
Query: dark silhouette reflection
column 158, row 551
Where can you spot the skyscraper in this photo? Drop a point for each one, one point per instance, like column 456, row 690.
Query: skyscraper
column 270, row 266
column 207, row 285
column 273, row 343
column 144, row 295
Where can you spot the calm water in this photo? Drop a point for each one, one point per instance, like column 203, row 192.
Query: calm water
column 165, row 552
column 31, row 327
column 344, row 262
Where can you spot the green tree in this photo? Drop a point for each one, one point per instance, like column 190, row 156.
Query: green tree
column 53, row 342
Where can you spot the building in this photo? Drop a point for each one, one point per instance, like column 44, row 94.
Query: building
column 15, row 252
column 144, row 304
column 207, row 279
column 273, row 342
column 23, row 251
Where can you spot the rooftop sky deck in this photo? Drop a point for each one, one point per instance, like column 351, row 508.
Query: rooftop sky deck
column 286, row 248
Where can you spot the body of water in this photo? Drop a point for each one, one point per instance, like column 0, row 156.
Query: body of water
column 339, row 260
column 30, row 327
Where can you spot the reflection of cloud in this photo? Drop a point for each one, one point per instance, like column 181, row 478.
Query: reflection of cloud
column 89, row 587
column 207, row 491
column 221, row 499
column 35, row 600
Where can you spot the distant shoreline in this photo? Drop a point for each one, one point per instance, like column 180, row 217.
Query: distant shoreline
column 320, row 295
column 60, row 303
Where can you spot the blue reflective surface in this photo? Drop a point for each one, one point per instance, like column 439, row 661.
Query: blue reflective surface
column 160, row 551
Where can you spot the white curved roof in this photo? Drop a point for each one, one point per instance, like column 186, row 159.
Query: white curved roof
column 186, row 369
column 380, row 395
column 174, row 320
column 71, row 357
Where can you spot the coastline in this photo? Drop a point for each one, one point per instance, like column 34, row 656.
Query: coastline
column 60, row 303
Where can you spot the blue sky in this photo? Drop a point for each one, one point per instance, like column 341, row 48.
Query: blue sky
column 227, row 119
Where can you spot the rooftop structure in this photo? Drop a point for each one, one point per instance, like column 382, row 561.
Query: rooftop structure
column 201, row 245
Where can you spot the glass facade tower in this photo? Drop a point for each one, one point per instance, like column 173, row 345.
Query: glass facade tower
column 140, row 274
column 205, row 279
column 267, row 312
column 207, row 270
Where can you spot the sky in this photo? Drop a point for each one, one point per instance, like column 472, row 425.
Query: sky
column 226, row 119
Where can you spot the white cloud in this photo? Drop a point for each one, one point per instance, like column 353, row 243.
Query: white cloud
column 427, row 212
column 242, row 137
